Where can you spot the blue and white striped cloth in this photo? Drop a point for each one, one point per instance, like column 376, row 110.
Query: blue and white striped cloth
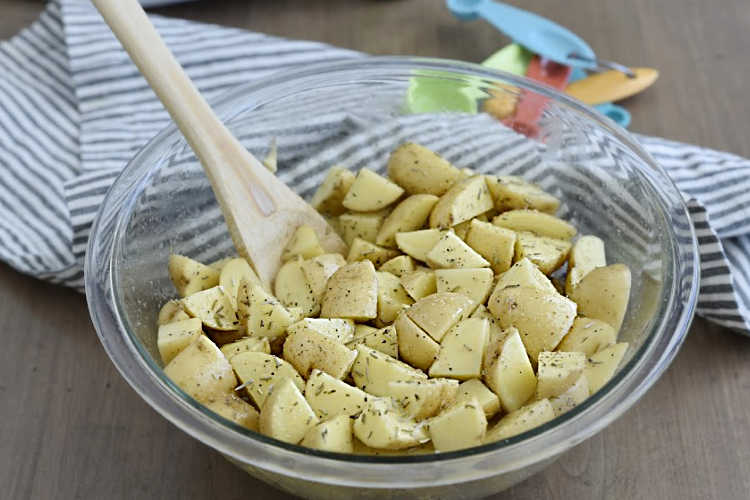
column 74, row 110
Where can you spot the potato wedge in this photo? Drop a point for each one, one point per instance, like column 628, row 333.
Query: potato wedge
column 332, row 435
column 234, row 409
column 464, row 201
column 508, row 371
column 373, row 370
column 421, row 399
column 474, row 283
column 190, row 276
column 384, row 340
column 329, row 396
column 541, row 317
column 363, row 225
column 557, row 371
column 340, row 330
column 285, row 414
column 352, row 293
column 494, row 243
column 462, row 350
column 318, row 269
column 213, row 307
column 588, row 336
column 524, row 273
column 171, row 311
column 392, row 298
column 474, row 389
column 419, row 283
column 510, row 193
column 415, row 346
column 533, row 221
column 416, row 244
column 381, row 425
column 232, row 274
column 201, row 370
column 409, row 215
column 450, row 252
column 330, row 195
column 548, row 254
column 260, row 372
column 586, row 255
column 572, row 397
column 370, row 192
column 419, row 170
column 307, row 349
column 293, row 290
column 438, row 312
column 364, row 250
column 261, row 314
column 603, row 365
column 399, row 266
column 304, row 243
column 604, row 294
column 247, row 344
column 519, row 421
column 174, row 337
column 461, row 426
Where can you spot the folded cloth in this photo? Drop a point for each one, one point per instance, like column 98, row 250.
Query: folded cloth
column 74, row 110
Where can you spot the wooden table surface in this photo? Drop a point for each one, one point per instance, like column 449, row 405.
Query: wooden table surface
column 70, row 427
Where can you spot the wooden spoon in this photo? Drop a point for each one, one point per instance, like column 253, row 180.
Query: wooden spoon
column 260, row 210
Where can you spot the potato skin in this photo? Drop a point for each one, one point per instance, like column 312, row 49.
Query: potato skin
column 352, row 292
column 418, row 170
column 604, row 293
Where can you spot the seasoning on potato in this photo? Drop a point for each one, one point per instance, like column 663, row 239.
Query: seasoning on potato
column 445, row 326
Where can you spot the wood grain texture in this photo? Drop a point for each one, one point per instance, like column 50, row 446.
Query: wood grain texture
column 72, row 428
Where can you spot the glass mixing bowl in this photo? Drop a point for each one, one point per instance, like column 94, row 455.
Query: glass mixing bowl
column 354, row 113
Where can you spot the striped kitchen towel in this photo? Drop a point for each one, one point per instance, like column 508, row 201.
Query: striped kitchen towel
column 74, row 110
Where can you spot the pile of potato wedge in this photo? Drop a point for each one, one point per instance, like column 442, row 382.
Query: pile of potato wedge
column 465, row 313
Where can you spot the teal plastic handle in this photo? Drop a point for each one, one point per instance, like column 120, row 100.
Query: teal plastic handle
column 534, row 32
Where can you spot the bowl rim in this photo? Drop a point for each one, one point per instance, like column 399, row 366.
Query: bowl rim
column 243, row 445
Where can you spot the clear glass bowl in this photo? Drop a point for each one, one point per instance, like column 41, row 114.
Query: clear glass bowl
column 353, row 113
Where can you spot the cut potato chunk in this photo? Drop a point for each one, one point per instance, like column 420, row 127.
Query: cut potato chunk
column 419, row 170
column 293, row 290
column 330, row 195
column 235, row 409
column 476, row 390
column 304, row 243
column 213, row 307
column 533, row 221
column 462, row 350
column 508, row 371
column 438, row 312
column 557, row 371
column 392, row 298
column 373, row 370
column 451, row 252
column 603, row 294
column 176, row 336
column 414, row 345
column 416, row 244
column 361, row 329
column 261, row 314
column 462, row 229
column 420, row 283
column 363, row 225
column 370, row 192
column 542, row 318
column 464, row 201
column 409, row 215
column 332, row 435
column 510, row 192
column 329, row 396
column 420, row 399
column 588, row 336
column 586, row 255
column 201, row 370
column 602, row 365
column 352, row 293
column 171, row 311
column 384, row 340
column 247, row 344
column 307, row 349
column 523, row 419
column 572, row 397
column 381, row 425
column 364, row 250
column 548, row 254
column 524, row 273
column 494, row 243
column 190, row 276
column 461, row 426
column 285, row 414
column 474, row 283
column 399, row 266
column 318, row 269
column 341, row 330
column 232, row 274
column 495, row 331
column 260, row 372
